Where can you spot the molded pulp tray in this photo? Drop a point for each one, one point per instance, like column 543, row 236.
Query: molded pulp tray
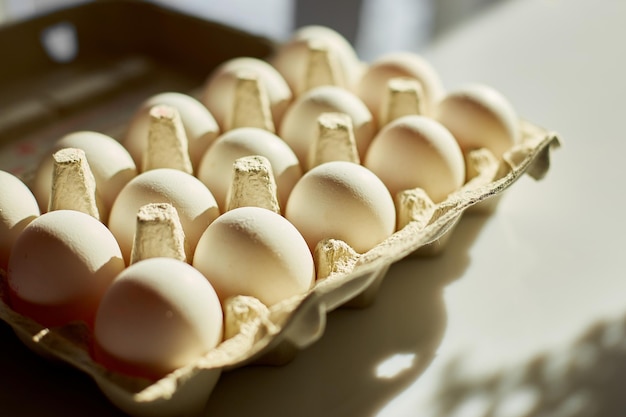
column 151, row 50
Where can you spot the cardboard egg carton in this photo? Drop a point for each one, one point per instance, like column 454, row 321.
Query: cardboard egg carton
column 273, row 335
column 255, row 333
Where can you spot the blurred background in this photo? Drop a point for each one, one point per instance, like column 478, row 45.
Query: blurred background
column 365, row 23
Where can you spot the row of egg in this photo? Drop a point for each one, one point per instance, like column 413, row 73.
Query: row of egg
column 156, row 312
column 400, row 132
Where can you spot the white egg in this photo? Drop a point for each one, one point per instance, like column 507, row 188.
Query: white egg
column 18, row 208
column 300, row 128
column 111, row 165
column 256, row 252
column 345, row 201
column 219, row 89
column 372, row 86
column 291, row 58
column 193, row 201
column 417, row 151
column 480, row 117
column 200, row 125
column 159, row 314
column 216, row 167
column 61, row 266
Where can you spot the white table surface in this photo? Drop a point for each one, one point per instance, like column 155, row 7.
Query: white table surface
column 525, row 309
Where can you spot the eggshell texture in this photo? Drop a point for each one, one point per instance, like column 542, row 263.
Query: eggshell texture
column 256, row 252
column 193, row 201
column 200, row 125
column 416, row 151
column 158, row 315
column 219, row 90
column 299, row 127
column 291, row 58
column 372, row 86
column 111, row 165
column 60, row 267
column 345, row 201
column 480, row 117
column 216, row 167
column 18, row 208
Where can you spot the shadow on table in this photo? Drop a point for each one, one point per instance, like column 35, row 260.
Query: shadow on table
column 34, row 386
column 583, row 379
column 366, row 356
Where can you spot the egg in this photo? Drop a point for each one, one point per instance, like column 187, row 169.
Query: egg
column 200, row 125
column 372, row 86
column 417, row 151
column 299, row 127
column 255, row 252
column 194, row 203
column 18, row 207
column 159, row 314
column 292, row 58
column 60, row 267
column 111, row 165
column 216, row 167
column 479, row 116
column 219, row 91
column 342, row 200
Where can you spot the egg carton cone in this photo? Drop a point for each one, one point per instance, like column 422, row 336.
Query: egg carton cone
column 274, row 335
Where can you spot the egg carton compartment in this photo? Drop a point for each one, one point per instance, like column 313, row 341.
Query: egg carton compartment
column 98, row 86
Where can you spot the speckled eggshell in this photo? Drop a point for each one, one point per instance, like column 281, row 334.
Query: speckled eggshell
column 18, row 208
column 480, row 117
column 193, row 201
column 345, row 201
column 254, row 251
column 200, row 125
column 219, row 89
column 159, row 314
column 216, row 167
column 299, row 127
column 291, row 57
column 61, row 266
column 372, row 86
column 417, row 151
column 111, row 165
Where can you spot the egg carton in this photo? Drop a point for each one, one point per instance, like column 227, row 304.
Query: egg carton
column 255, row 333
column 274, row 335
